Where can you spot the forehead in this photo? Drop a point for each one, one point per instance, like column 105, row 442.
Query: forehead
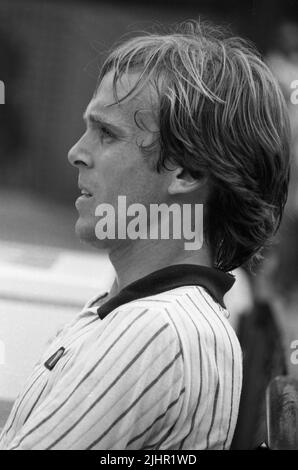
column 103, row 101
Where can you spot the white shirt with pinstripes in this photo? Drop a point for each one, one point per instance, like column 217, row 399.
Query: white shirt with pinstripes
column 160, row 372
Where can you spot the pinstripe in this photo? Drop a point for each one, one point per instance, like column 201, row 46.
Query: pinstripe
column 162, row 415
column 188, row 410
column 175, row 327
column 108, row 389
column 233, row 366
column 71, row 338
column 132, row 385
column 85, row 377
column 66, row 362
column 223, row 365
column 35, row 403
column 141, row 417
column 155, row 381
column 200, row 390
column 217, row 384
column 163, row 438
column 113, row 359
column 92, row 302
column 69, row 341
column 22, row 400
column 156, row 301
column 213, row 413
column 218, row 316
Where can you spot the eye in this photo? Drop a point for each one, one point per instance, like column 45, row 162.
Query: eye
column 101, row 129
column 105, row 132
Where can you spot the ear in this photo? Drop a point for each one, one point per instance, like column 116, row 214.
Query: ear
column 182, row 182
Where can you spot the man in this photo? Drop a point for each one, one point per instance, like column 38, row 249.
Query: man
column 190, row 117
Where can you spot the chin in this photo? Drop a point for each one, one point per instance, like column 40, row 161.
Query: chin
column 85, row 231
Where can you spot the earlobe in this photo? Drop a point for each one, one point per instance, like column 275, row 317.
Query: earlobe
column 182, row 182
column 182, row 186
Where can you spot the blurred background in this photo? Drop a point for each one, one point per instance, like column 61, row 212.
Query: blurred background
column 50, row 53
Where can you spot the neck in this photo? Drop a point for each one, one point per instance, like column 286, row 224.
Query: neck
column 136, row 260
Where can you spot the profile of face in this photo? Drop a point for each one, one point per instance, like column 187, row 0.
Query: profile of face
column 109, row 158
column 112, row 163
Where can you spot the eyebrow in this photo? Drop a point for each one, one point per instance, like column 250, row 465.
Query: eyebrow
column 98, row 118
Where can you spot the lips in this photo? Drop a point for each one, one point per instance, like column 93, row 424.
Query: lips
column 85, row 192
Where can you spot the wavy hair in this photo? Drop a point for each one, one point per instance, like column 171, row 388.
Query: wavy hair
column 222, row 115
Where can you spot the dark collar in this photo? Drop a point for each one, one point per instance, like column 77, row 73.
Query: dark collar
column 216, row 282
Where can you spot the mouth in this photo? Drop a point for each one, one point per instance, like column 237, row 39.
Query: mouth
column 85, row 192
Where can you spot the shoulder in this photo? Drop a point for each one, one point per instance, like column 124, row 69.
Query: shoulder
column 143, row 319
column 194, row 301
column 184, row 308
column 192, row 316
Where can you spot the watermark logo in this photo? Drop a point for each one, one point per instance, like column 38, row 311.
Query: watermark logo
column 294, row 94
column 2, row 353
column 160, row 222
column 2, row 92
column 294, row 354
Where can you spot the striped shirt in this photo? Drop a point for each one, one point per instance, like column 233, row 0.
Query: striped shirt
column 158, row 371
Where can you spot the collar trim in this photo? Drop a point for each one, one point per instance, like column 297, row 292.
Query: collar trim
column 216, row 282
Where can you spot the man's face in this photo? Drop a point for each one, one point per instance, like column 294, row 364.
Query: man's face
column 109, row 158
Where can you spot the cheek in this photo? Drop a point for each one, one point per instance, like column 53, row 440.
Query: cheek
column 147, row 188
column 125, row 171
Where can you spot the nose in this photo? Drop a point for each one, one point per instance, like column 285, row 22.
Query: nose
column 79, row 156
